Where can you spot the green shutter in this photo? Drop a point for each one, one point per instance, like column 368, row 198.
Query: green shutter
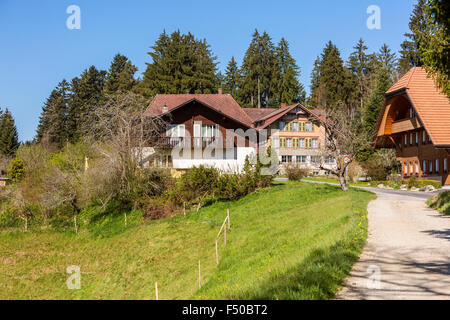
column 312, row 127
column 282, row 142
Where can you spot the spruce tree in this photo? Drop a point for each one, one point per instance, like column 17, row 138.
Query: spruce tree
column 331, row 82
column 231, row 78
column 53, row 121
column 387, row 59
column 86, row 94
column 259, row 73
column 180, row 64
column 374, row 104
column 419, row 23
column 359, row 65
column 289, row 89
column 120, row 76
column 376, row 100
column 9, row 139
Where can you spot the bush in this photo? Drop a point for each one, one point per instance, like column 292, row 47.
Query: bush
column 355, row 171
column 196, row 183
column 375, row 171
column 16, row 170
column 440, row 202
column 294, row 172
column 231, row 186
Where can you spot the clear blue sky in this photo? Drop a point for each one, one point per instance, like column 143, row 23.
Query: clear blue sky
column 37, row 50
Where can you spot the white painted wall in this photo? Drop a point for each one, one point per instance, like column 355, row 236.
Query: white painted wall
column 229, row 164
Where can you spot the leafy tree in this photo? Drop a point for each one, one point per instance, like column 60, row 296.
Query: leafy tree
column 231, row 78
column 9, row 139
column 120, row 76
column 86, row 94
column 289, row 89
column 54, row 117
column 180, row 64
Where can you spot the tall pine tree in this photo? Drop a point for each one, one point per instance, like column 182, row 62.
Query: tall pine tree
column 289, row 89
column 9, row 139
column 53, row 123
column 86, row 94
column 419, row 23
column 259, row 80
column 231, row 78
column 361, row 64
column 120, row 76
column 331, row 82
column 180, row 64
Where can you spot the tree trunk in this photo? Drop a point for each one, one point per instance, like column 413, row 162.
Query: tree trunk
column 342, row 181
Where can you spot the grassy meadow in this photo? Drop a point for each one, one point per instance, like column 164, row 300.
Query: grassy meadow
column 291, row 241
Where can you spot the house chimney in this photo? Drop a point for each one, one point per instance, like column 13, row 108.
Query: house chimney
column 220, row 90
column 165, row 109
column 283, row 105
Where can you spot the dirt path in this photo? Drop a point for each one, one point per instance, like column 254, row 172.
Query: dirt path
column 408, row 250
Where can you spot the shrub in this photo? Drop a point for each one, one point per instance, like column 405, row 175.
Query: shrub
column 440, row 202
column 294, row 172
column 196, row 183
column 375, row 171
column 16, row 170
column 231, row 186
column 355, row 171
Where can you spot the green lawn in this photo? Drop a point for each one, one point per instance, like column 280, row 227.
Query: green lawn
column 292, row 241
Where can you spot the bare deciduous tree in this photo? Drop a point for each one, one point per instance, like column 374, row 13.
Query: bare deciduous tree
column 123, row 130
column 344, row 137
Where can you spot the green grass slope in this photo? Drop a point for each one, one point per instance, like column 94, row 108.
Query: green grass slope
column 292, row 241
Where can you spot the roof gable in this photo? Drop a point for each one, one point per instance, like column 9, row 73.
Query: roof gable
column 222, row 103
column 431, row 105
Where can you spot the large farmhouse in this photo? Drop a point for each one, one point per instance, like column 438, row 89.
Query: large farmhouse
column 415, row 120
column 213, row 130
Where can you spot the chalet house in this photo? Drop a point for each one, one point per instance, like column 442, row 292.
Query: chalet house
column 415, row 120
column 213, row 130
column 296, row 134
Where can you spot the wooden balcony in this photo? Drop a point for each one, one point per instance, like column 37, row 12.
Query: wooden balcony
column 405, row 125
column 183, row 142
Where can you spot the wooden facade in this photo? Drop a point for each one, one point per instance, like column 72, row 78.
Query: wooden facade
column 421, row 144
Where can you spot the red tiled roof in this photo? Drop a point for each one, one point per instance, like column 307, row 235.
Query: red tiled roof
column 222, row 103
column 226, row 105
column 258, row 113
column 431, row 104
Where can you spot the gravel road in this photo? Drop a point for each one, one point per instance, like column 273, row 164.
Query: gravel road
column 407, row 255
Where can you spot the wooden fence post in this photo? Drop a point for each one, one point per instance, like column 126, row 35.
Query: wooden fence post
column 125, row 219
column 228, row 216
column 156, row 290
column 199, row 275
column 217, row 254
column 75, row 223
column 184, row 208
